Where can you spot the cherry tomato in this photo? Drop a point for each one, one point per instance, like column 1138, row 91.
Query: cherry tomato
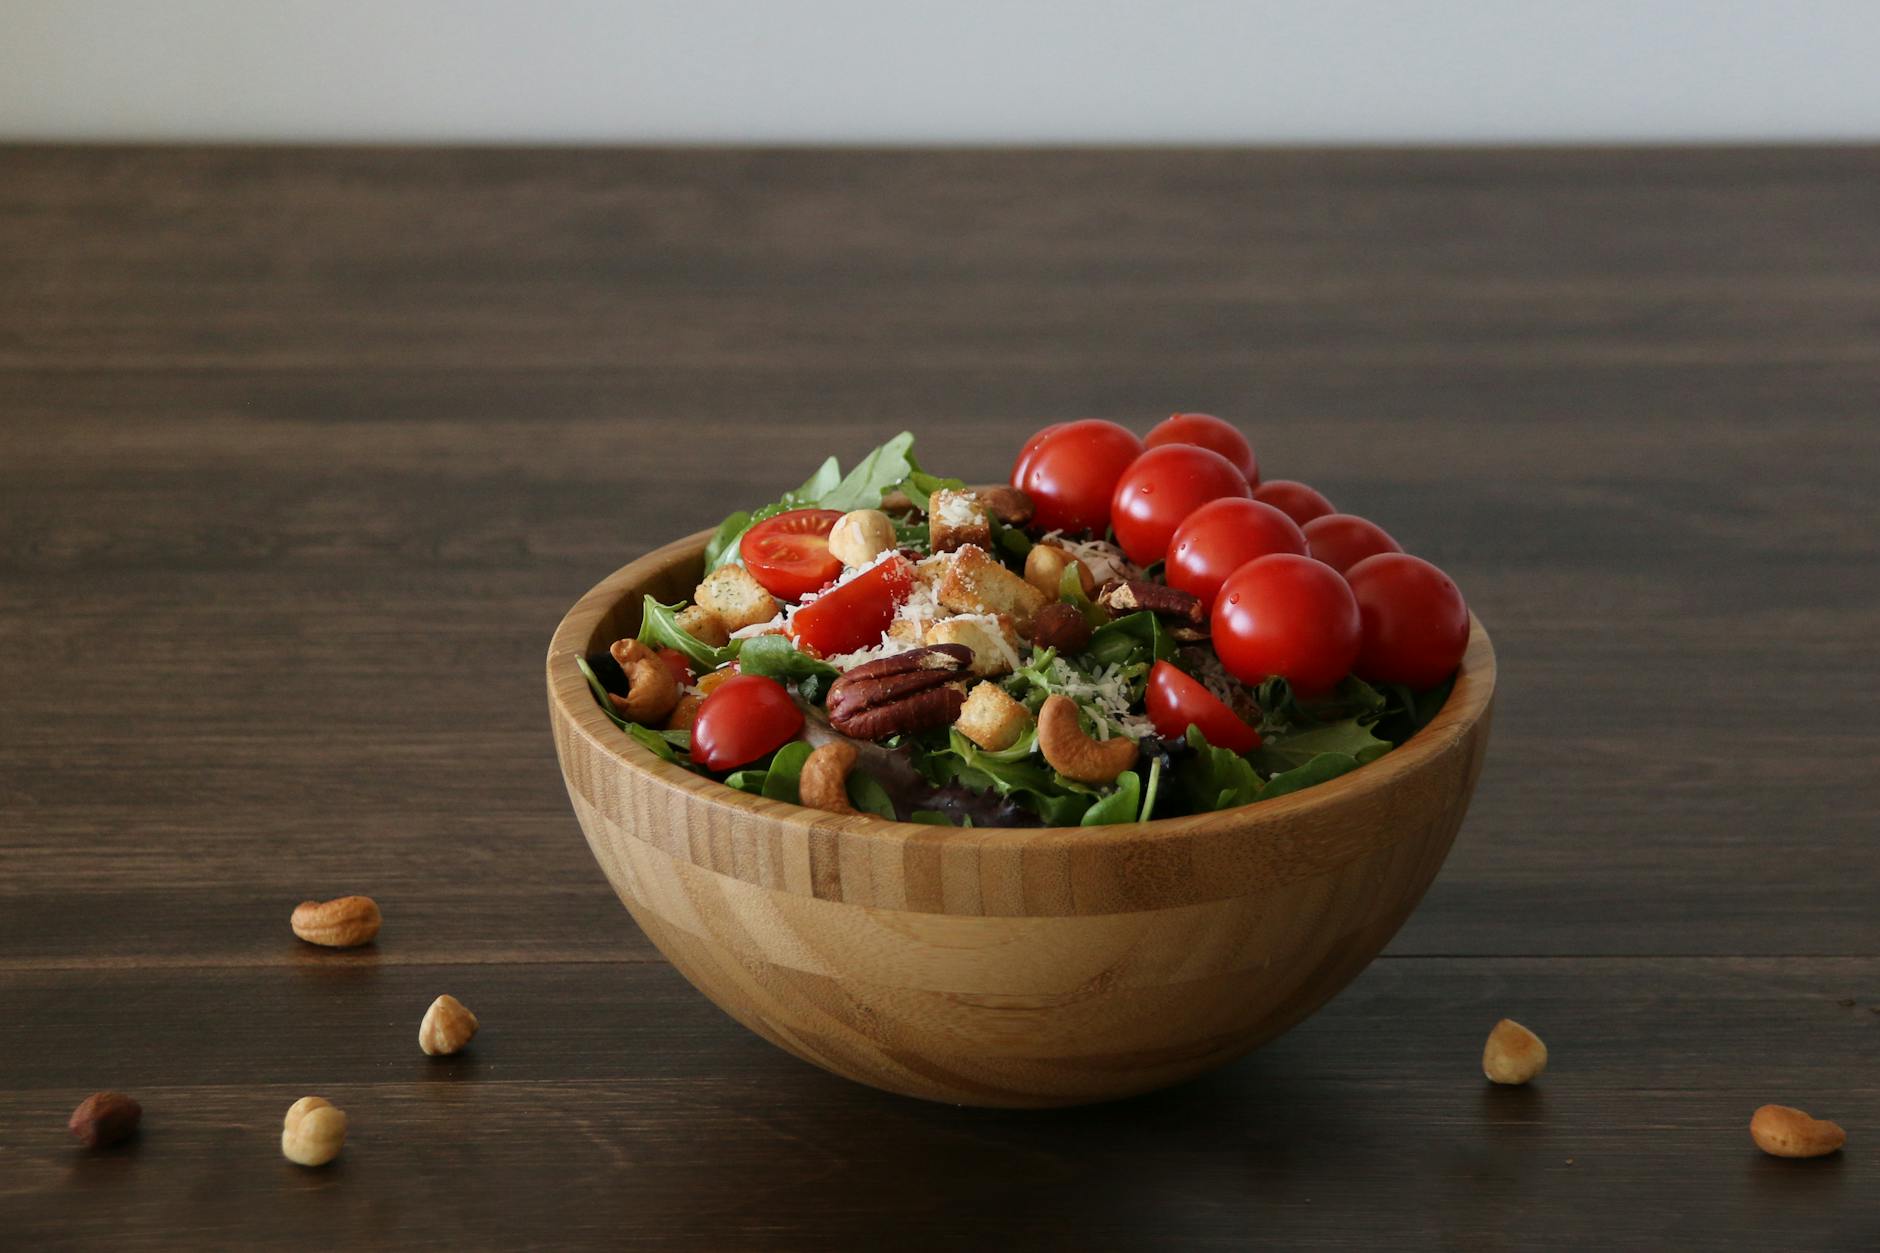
column 1072, row 472
column 1287, row 615
column 1175, row 700
column 789, row 554
column 1342, row 540
column 1416, row 625
column 1294, row 499
column 1204, row 430
column 1161, row 488
column 743, row 718
column 1222, row 536
column 1030, row 450
column 855, row 614
column 679, row 664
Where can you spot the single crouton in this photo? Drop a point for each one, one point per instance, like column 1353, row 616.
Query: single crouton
column 903, row 631
column 930, row 570
column 990, row 636
column 704, row 626
column 737, row 599
column 975, row 583
column 992, row 719
column 955, row 519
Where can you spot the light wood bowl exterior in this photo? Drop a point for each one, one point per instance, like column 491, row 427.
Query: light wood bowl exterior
column 1007, row 967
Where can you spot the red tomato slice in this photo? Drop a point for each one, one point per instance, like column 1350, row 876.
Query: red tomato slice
column 678, row 663
column 855, row 614
column 743, row 718
column 1175, row 701
column 789, row 554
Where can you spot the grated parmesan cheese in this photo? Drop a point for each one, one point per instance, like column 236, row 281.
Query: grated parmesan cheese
column 957, row 509
column 1104, row 560
column 1106, row 695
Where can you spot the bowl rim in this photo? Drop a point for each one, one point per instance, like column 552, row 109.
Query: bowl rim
column 570, row 698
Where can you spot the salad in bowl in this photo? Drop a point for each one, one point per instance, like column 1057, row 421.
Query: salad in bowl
column 1132, row 628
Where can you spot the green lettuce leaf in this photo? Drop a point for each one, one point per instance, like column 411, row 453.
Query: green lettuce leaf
column 1153, row 786
column 786, row 767
column 1134, row 638
column 775, row 657
column 1071, row 592
column 1215, row 778
column 1289, row 750
column 867, row 795
column 1122, row 805
column 1320, row 768
column 877, row 474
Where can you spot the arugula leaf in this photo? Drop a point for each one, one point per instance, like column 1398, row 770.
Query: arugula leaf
column 828, row 475
column 725, row 538
column 919, row 486
column 1060, row 802
column 1012, row 541
column 877, row 474
column 1071, row 591
column 786, row 767
column 659, row 628
column 600, row 693
column 1215, row 778
column 1122, row 805
column 775, row 657
column 867, row 795
column 1317, row 770
column 1138, row 637
column 667, row 745
column 1285, row 751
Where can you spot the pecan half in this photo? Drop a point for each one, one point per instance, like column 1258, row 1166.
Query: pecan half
column 1129, row 595
column 1061, row 626
column 1009, row 505
column 909, row 691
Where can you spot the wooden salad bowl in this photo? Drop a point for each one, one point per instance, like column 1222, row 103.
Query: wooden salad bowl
column 1004, row 966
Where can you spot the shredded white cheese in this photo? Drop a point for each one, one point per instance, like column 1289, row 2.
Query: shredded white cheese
column 957, row 509
column 1104, row 560
column 1106, row 695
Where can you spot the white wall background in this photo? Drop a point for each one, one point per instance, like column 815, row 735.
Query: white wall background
column 859, row 71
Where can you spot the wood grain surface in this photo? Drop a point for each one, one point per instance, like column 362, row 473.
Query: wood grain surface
column 303, row 454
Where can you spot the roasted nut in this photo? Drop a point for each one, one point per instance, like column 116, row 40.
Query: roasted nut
column 860, row 536
column 652, row 691
column 345, row 922
column 1122, row 596
column 908, row 691
column 1061, row 626
column 447, row 1027
column 313, row 1132
column 823, row 783
column 104, row 1118
column 1072, row 753
column 1785, row 1132
column 1044, row 569
column 1008, row 504
column 1513, row 1054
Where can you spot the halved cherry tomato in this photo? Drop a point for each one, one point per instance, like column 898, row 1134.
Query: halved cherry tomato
column 1161, row 488
column 1072, row 471
column 1342, row 540
column 1294, row 499
column 1416, row 625
column 1176, row 700
column 1222, row 536
column 1290, row 616
column 789, row 554
column 855, row 614
column 679, row 664
column 1204, row 430
column 744, row 717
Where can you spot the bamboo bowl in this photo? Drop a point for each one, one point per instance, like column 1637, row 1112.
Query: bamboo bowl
column 1007, row 967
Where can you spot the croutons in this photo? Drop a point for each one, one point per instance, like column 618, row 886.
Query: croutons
column 704, row 626
column 990, row 636
column 902, row 631
column 737, row 599
column 955, row 519
column 992, row 719
column 975, row 583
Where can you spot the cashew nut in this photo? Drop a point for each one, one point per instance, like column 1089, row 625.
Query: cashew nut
column 1513, row 1054
column 1074, row 754
column 860, row 536
column 1044, row 570
column 1782, row 1131
column 652, row 691
column 823, row 783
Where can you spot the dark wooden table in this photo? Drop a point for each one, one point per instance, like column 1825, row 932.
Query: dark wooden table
column 303, row 454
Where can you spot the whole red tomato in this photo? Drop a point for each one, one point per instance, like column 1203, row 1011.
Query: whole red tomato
column 1161, row 488
column 1294, row 499
column 1416, row 625
column 1072, row 471
column 1204, row 430
column 1291, row 616
column 1030, row 450
column 789, row 554
column 1342, row 540
column 1175, row 701
column 855, row 614
column 1222, row 536
column 744, row 717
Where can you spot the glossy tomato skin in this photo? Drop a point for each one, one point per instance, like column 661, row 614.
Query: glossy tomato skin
column 1222, row 536
column 1342, row 540
column 1175, row 700
column 789, row 554
column 1204, row 430
column 1294, row 499
column 1030, row 450
column 1291, row 616
column 855, row 614
column 743, row 718
column 1161, row 488
column 1072, row 473
column 679, row 664
column 1415, row 622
